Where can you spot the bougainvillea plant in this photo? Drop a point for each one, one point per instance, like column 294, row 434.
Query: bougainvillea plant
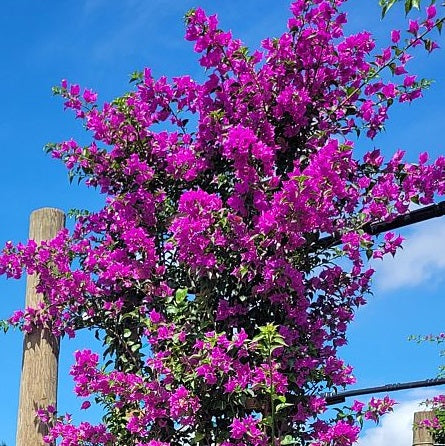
column 207, row 274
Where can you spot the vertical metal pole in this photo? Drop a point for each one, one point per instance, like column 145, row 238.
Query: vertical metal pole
column 38, row 385
column 421, row 436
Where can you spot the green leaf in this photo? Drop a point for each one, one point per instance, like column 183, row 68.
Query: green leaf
column 4, row 325
column 190, row 13
column 386, row 6
column 408, row 6
column 351, row 90
column 280, row 341
column 76, row 213
column 198, row 437
column 267, row 420
column 258, row 338
column 288, row 439
column 172, row 310
column 136, row 76
column 282, row 406
column 243, row 270
column 300, row 178
column 369, row 253
column 57, row 90
column 280, row 398
column 181, row 294
column 50, row 147
column 107, row 364
column 135, row 347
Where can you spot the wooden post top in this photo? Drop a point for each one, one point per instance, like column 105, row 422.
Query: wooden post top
column 421, row 436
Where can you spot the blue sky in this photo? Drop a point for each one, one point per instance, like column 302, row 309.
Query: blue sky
column 98, row 43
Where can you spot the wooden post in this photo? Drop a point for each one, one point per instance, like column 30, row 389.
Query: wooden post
column 421, row 436
column 38, row 385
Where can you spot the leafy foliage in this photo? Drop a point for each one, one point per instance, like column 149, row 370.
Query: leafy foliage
column 409, row 5
column 206, row 274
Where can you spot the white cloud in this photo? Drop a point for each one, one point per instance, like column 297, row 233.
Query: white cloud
column 422, row 258
column 396, row 428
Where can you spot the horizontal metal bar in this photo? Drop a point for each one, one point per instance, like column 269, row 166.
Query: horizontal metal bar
column 416, row 216
column 335, row 398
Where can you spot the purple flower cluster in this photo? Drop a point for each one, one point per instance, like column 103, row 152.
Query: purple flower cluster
column 220, row 308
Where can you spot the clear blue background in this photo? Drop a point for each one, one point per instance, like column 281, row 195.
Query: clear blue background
column 98, row 43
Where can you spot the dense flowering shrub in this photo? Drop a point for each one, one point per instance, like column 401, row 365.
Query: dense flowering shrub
column 206, row 273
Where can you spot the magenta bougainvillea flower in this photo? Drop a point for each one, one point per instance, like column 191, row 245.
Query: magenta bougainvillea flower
column 205, row 274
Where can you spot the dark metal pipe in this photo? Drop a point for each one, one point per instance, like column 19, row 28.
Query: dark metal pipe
column 335, row 398
column 416, row 216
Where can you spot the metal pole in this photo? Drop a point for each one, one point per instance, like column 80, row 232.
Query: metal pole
column 416, row 216
column 38, row 385
column 336, row 398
